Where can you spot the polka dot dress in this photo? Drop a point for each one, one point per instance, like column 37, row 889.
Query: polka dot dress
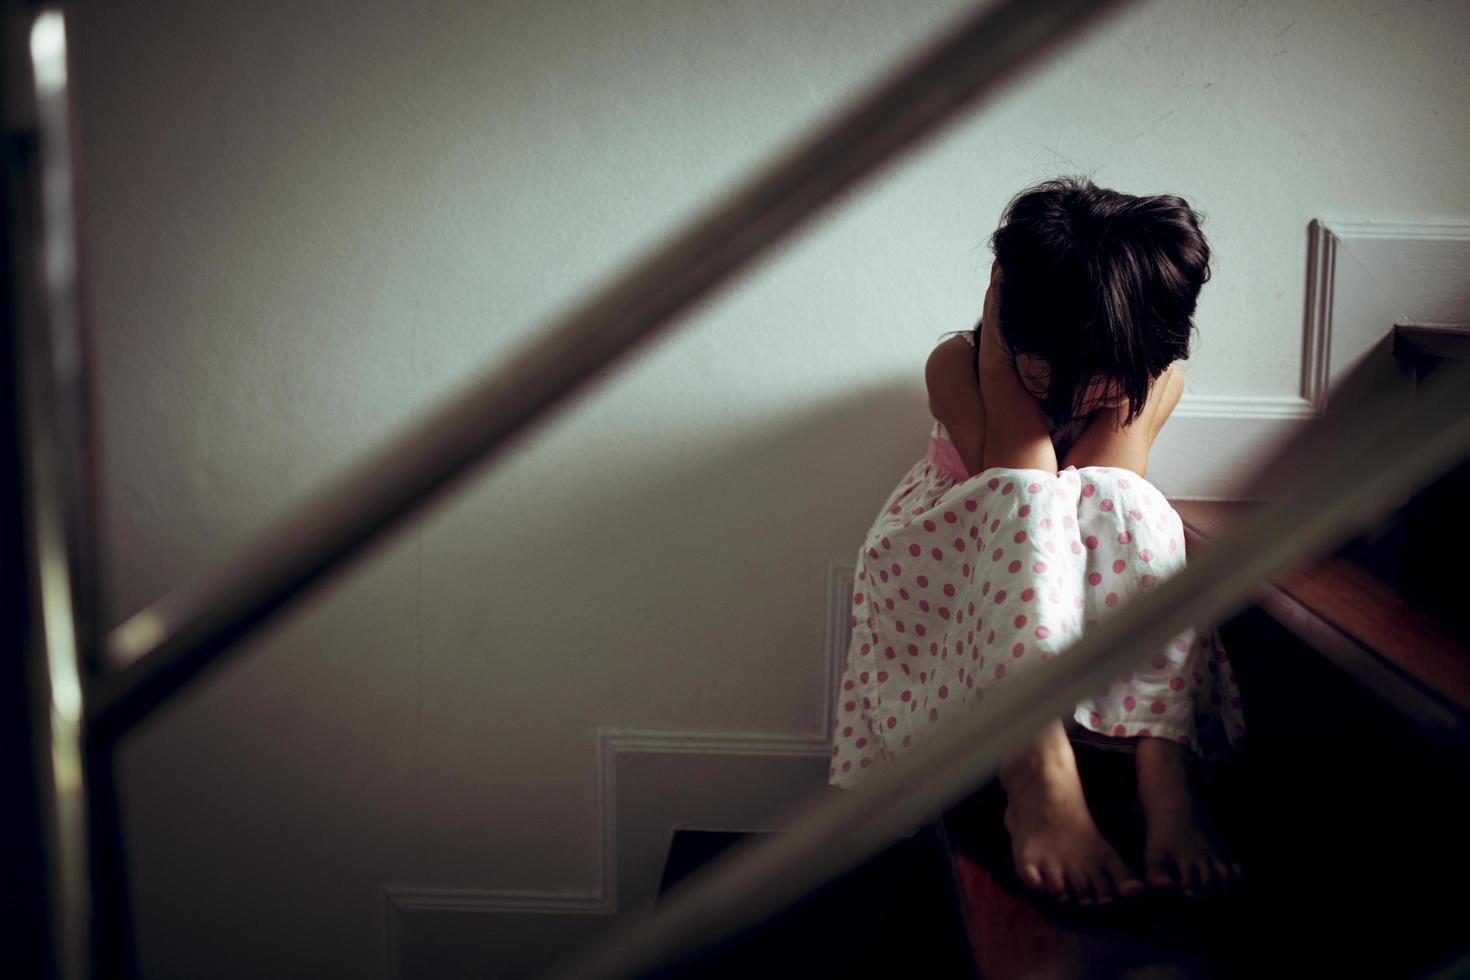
column 964, row 583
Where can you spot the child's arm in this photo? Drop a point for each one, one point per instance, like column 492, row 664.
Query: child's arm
column 954, row 398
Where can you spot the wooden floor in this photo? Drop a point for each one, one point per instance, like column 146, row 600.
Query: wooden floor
column 1370, row 625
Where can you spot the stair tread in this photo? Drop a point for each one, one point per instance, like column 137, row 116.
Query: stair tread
column 895, row 915
column 1371, row 612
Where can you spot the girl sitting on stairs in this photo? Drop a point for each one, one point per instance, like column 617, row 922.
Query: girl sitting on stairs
column 1029, row 519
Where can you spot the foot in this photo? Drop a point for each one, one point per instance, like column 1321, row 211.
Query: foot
column 1182, row 850
column 1056, row 846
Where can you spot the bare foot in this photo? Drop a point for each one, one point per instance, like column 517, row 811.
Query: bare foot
column 1056, row 846
column 1182, row 850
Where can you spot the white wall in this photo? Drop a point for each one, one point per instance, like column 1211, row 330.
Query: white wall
column 307, row 222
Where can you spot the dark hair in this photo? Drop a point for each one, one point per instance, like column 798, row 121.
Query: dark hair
column 1100, row 285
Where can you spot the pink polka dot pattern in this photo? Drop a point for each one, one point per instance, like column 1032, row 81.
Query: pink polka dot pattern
column 1002, row 573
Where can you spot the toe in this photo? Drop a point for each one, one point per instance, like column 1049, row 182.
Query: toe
column 1132, row 886
column 1222, row 874
column 1125, row 883
column 1081, row 887
column 1056, row 884
column 1209, row 880
column 1102, row 887
column 1191, row 878
column 1031, row 877
column 1163, row 872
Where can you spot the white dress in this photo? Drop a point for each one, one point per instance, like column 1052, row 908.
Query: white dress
column 965, row 582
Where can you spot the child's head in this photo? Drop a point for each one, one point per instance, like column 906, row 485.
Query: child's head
column 1099, row 286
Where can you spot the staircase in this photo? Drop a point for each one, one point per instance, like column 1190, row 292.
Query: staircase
column 1347, row 808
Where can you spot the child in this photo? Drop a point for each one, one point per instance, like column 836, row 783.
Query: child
column 1029, row 519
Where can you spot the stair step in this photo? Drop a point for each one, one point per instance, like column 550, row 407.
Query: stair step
column 896, row 915
column 1420, row 343
column 1367, row 626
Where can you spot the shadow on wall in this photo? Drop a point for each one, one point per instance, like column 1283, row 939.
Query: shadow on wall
column 716, row 551
column 435, row 726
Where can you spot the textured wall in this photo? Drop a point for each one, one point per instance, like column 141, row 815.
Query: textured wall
column 306, row 222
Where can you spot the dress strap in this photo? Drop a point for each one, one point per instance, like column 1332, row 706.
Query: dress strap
column 942, row 453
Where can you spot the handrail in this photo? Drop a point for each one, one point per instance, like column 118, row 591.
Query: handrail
column 1333, row 476
column 54, row 501
column 161, row 647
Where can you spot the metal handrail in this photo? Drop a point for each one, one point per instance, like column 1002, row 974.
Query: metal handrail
column 1332, row 477
column 162, row 646
column 54, row 496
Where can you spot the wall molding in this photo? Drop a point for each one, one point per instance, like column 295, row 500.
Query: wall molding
column 1420, row 231
column 1365, row 276
column 492, row 900
column 1243, row 407
column 1317, row 343
column 733, row 781
column 1361, row 278
column 629, row 838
